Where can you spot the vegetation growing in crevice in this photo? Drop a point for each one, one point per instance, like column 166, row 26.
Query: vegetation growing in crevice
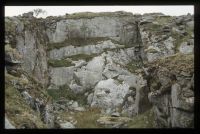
column 60, row 63
column 132, row 66
column 79, row 42
column 86, row 57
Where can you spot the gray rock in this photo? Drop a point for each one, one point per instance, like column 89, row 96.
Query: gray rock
column 79, row 63
column 80, row 109
column 93, row 27
column 48, row 116
column 181, row 118
column 169, row 44
column 190, row 24
column 76, row 88
column 28, row 15
column 29, row 100
column 61, row 75
column 166, row 29
column 153, row 56
column 96, row 64
column 89, row 98
column 109, row 94
column 147, row 19
column 133, row 80
column 186, row 48
column 179, row 20
column 66, row 125
column 74, row 105
column 88, row 49
column 116, row 114
column 87, row 79
column 178, row 102
column 8, row 125
column 112, row 70
column 30, row 44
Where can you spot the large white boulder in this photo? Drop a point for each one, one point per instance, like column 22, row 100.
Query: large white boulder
column 109, row 94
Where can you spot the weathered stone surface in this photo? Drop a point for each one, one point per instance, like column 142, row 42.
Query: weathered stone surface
column 172, row 96
column 79, row 63
column 8, row 125
column 96, row 64
column 121, row 56
column 103, row 26
column 181, row 116
column 76, row 88
column 30, row 42
column 89, row 49
column 48, row 116
column 61, row 75
column 190, row 24
column 186, row 48
column 29, row 100
column 66, row 125
column 108, row 94
column 116, row 114
column 87, row 79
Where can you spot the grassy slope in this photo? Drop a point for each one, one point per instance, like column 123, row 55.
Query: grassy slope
column 18, row 111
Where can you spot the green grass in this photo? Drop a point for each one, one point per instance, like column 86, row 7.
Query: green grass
column 132, row 66
column 59, row 63
column 145, row 120
column 85, row 119
column 85, row 57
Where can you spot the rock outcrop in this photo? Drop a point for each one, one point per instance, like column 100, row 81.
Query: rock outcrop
column 172, row 92
column 116, row 62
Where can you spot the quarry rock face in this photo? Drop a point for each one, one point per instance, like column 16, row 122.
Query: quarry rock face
column 117, row 62
column 29, row 39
